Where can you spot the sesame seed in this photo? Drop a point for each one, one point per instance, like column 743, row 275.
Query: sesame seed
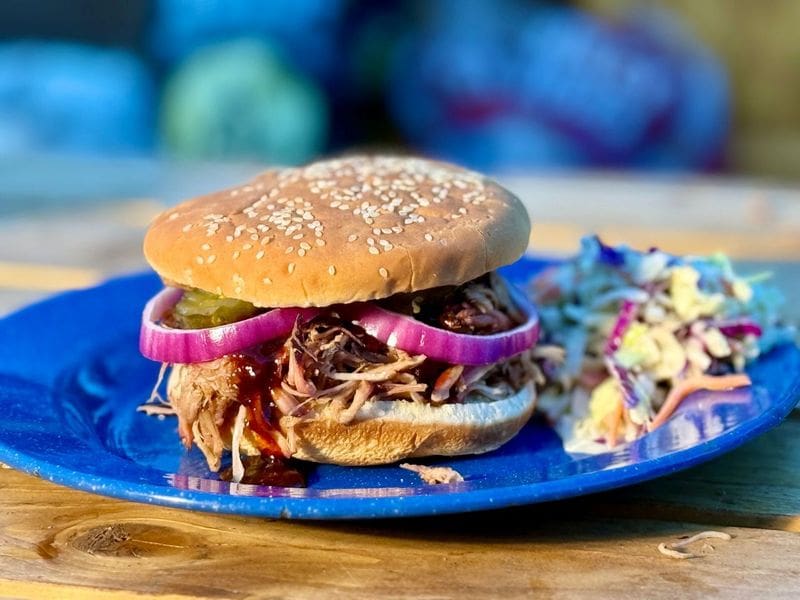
column 199, row 260
column 228, row 238
column 332, row 270
column 254, row 237
column 267, row 280
column 265, row 240
column 236, row 254
column 259, row 255
column 211, row 258
column 384, row 273
column 290, row 268
column 186, row 227
column 376, row 230
column 320, row 242
column 352, row 237
column 299, row 236
column 373, row 250
column 173, row 216
column 305, row 245
column 247, row 246
column 206, row 247
column 370, row 241
column 429, row 237
column 289, row 250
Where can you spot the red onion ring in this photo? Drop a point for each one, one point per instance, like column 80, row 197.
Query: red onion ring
column 165, row 344
column 405, row 332
column 169, row 345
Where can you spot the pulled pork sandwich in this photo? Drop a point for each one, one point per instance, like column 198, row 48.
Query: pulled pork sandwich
column 345, row 312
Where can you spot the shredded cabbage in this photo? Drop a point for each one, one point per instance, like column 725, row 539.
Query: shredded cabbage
column 634, row 324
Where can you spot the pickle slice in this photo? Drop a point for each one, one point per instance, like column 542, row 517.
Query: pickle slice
column 198, row 309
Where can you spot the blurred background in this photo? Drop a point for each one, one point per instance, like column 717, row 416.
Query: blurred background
column 636, row 120
column 498, row 85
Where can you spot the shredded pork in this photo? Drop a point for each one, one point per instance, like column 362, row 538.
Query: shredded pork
column 203, row 395
column 434, row 475
column 481, row 306
column 331, row 362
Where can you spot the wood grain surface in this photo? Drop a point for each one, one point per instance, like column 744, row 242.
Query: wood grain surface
column 61, row 543
column 77, row 543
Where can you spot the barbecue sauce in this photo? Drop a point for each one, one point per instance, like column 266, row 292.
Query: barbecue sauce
column 257, row 372
column 270, row 471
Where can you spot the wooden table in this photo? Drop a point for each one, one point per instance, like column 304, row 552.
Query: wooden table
column 60, row 543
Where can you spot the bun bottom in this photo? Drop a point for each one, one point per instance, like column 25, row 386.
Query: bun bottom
column 386, row 431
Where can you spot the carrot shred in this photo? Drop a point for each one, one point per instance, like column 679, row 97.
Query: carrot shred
column 688, row 386
column 613, row 426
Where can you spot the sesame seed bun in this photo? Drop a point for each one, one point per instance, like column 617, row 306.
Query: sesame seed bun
column 386, row 431
column 338, row 231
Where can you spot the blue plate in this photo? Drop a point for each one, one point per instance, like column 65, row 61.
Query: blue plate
column 71, row 378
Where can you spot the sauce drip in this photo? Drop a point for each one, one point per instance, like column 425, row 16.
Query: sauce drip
column 257, row 372
column 270, row 471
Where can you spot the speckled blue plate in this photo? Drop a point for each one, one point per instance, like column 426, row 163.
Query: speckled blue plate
column 71, row 378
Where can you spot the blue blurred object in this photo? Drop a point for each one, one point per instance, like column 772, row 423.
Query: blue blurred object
column 304, row 31
column 511, row 85
column 701, row 118
column 238, row 100
column 73, row 98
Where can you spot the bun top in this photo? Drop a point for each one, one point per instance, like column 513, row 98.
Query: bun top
column 338, row 231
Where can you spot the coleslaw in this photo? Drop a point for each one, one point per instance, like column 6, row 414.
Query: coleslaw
column 626, row 335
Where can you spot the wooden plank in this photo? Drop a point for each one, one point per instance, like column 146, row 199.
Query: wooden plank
column 53, row 538
column 560, row 238
column 756, row 485
column 677, row 202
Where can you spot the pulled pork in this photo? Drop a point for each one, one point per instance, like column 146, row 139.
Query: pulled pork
column 326, row 361
column 204, row 396
column 479, row 307
column 434, row 475
column 331, row 362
